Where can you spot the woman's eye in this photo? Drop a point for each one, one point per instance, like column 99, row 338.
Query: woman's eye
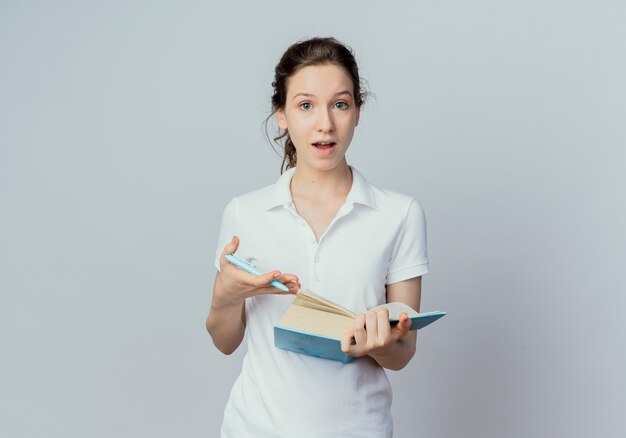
column 341, row 105
column 306, row 105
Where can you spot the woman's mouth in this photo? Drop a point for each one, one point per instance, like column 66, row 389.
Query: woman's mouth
column 324, row 147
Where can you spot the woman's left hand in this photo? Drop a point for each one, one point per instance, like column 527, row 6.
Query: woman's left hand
column 372, row 334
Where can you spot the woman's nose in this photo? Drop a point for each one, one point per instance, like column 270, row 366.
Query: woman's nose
column 325, row 121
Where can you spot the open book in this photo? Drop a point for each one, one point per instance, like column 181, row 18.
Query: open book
column 313, row 325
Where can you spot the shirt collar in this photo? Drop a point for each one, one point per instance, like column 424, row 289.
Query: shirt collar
column 360, row 193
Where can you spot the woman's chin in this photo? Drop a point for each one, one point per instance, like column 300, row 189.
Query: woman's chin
column 322, row 164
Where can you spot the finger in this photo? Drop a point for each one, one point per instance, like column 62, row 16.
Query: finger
column 384, row 328
column 403, row 326
column 264, row 279
column 290, row 281
column 293, row 285
column 346, row 341
column 259, row 281
column 371, row 326
column 270, row 289
column 262, row 284
column 230, row 248
column 360, row 335
column 288, row 278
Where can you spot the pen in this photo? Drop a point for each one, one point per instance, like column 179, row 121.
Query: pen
column 240, row 263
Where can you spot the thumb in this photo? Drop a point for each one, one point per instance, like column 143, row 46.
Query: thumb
column 404, row 324
column 230, row 247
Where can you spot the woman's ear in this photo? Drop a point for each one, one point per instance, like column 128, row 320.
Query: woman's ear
column 280, row 118
column 358, row 114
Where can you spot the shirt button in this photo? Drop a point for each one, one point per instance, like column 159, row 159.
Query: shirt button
column 318, row 260
column 317, row 279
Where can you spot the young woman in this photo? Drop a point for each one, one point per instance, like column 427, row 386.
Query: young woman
column 327, row 230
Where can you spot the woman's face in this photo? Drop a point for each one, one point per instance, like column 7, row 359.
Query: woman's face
column 320, row 108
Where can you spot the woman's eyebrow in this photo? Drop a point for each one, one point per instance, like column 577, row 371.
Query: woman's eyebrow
column 313, row 95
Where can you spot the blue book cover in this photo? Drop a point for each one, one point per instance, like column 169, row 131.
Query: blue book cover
column 309, row 343
column 313, row 325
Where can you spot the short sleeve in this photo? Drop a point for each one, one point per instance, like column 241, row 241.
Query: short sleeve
column 409, row 257
column 228, row 229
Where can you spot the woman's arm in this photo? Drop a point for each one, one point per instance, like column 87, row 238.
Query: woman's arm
column 390, row 347
column 226, row 322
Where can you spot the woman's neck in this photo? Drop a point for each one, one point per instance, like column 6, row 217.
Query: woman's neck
column 322, row 184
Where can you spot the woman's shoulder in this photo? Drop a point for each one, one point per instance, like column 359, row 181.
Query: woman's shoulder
column 266, row 197
column 392, row 197
column 393, row 200
column 387, row 202
column 252, row 200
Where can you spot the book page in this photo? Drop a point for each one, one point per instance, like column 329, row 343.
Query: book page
column 317, row 322
column 395, row 309
column 312, row 300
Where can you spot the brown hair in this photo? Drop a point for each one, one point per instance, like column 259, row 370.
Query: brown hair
column 314, row 51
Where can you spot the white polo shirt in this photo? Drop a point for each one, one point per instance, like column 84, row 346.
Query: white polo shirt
column 378, row 237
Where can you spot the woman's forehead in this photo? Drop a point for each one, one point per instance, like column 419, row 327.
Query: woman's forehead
column 325, row 80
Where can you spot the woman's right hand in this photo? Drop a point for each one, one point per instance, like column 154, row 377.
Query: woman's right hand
column 237, row 284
